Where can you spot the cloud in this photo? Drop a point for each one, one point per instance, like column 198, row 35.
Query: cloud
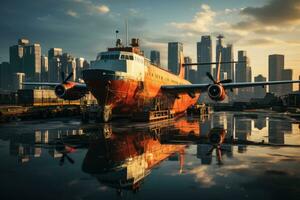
column 273, row 18
column 103, row 9
column 72, row 13
column 200, row 22
column 275, row 12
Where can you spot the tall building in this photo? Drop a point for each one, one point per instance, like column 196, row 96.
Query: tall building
column 32, row 62
column 204, row 55
column 243, row 73
column 17, row 80
column 155, row 57
column 81, row 64
column 276, row 66
column 54, row 69
column 54, row 64
column 287, row 75
column 26, row 58
column 5, row 76
column 227, row 55
column 219, row 47
column 44, row 68
column 68, row 65
column 54, row 52
column 175, row 49
column 260, row 92
column 16, row 53
column 189, row 70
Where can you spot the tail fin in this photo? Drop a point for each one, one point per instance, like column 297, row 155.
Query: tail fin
column 218, row 68
column 181, row 66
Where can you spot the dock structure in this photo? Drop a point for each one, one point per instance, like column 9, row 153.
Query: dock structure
column 155, row 115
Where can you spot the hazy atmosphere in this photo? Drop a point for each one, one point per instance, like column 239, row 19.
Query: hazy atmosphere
column 85, row 27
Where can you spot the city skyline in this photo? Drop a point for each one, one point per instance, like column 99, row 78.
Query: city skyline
column 250, row 26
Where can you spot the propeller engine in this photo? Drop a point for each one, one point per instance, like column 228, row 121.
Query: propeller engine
column 69, row 90
column 216, row 91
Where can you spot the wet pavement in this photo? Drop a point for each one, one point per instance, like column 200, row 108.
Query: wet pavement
column 223, row 155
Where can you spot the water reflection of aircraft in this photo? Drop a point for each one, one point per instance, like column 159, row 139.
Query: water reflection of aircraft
column 124, row 159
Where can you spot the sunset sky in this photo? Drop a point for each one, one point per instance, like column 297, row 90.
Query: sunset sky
column 85, row 27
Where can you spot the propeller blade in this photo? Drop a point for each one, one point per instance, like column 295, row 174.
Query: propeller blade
column 68, row 77
column 70, row 159
column 210, row 77
column 226, row 81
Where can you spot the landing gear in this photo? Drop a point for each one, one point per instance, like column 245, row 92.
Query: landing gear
column 106, row 113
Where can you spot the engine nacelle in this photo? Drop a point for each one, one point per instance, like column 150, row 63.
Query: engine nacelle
column 70, row 91
column 216, row 92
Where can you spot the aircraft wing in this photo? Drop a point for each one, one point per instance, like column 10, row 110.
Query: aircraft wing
column 41, row 84
column 192, row 88
column 255, row 84
column 50, row 84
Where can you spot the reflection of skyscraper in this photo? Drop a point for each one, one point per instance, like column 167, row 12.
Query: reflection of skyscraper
column 260, row 123
column 276, row 134
column 175, row 50
column 203, row 153
column 242, row 128
column 204, row 55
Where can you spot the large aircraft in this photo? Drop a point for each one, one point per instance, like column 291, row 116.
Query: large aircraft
column 124, row 81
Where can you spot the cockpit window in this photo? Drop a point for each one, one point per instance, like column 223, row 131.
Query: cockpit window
column 110, row 57
column 115, row 57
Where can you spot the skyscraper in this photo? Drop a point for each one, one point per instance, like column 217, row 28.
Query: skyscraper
column 219, row 47
column 243, row 73
column 5, row 78
column 276, row 66
column 54, row 64
column 204, row 55
column 175, row 49
column 32, row 62
column 68, row 65
column 189, row 71
column 44, row 69
column 260, row 92
column 17, row 80
column 227, row 55
column 81, row 64
column 54, row 69
column 16, row 53
column 54, row 52
column 287, row 75
column 155, row 57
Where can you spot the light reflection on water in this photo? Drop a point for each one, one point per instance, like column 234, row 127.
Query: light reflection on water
column 182, row 158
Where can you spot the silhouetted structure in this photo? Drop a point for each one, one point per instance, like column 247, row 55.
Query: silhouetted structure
column 204, row 55
column 155, row 57
column 175, row 49
column 260, row 92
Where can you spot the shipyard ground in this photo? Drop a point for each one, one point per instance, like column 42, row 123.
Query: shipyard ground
column 237, row 155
